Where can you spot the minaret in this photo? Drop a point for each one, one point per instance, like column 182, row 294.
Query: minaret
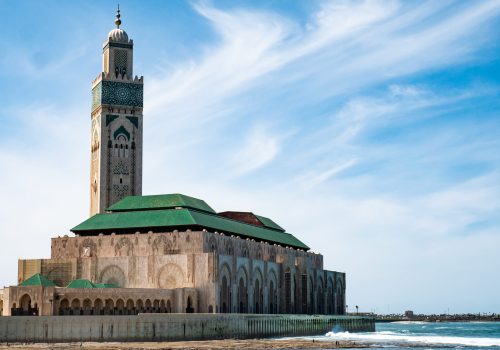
column 116, row 139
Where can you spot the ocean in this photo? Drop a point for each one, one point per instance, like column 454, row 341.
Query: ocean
column 440, row 335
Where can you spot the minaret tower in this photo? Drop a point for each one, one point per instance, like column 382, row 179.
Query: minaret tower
column 116, row 139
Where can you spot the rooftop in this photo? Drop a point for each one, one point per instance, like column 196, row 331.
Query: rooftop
column 160, row 201
column 177, row 211
column 38, row 280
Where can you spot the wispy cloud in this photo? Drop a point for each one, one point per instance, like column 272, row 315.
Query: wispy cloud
column 260, row 147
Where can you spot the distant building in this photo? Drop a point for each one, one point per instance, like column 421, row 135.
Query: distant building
column 163, row 253
column 409, row 314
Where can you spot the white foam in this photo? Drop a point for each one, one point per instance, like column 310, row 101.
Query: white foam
column 392, row 337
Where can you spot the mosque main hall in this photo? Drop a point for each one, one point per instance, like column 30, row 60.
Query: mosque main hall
column 167, row 253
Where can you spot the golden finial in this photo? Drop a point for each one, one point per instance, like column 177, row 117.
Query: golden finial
column 118, row 21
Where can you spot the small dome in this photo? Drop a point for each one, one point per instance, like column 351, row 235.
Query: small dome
column 118, row 35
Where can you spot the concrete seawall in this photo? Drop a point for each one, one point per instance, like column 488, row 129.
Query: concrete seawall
column 170, row 327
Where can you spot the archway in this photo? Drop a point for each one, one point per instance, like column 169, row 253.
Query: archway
column 109, row 307
column 189, row 307
column 25, row 308
column 225, row 295
column 288, row 291
column 273, row 295
column 272, row 305
column 98, row 309
column 330, row 303
column 311, row 296
column 169, row 306
column 257, row 297
column 242, row 283
column 75, row 307
column 320, row 300
column 339, row 298
column 156, row 306
column 64, row 307
column 139, row 305
column 130, row 307
column 120, row 306
column 225, row 289
column 87, row 307
column 242, row 296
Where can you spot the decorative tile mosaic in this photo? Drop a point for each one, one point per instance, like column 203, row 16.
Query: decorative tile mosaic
column 117, row 93
column 134, row 120
column 121, row 131
column 110, row 118
column 121, row 169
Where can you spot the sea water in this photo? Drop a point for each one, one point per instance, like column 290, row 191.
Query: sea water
column 436, row 335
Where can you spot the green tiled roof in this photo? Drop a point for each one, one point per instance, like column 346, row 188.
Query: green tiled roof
column 130, row 221
column 269, row 223
column 38, row 280
column 162, row 201
column 105, row 285
column 81, row 283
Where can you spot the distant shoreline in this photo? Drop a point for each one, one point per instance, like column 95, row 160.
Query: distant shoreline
column 409, row 316
column 386, row 320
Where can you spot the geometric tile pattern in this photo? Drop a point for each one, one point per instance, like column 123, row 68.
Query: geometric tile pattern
column 117, row 93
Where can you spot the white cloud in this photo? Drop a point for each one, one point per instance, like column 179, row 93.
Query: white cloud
column 260, row 147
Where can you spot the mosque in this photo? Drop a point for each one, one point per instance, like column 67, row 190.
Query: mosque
column 163, row 253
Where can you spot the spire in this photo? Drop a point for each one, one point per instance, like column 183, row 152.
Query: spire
column 118, row 21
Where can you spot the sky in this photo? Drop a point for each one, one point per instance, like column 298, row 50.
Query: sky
column 368, row 129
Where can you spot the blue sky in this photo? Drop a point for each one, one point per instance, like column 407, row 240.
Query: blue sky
column 370, row 129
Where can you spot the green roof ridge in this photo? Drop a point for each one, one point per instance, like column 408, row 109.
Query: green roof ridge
column 38, row 280
column 81, row 283
column 160, row 201
column 269, row 223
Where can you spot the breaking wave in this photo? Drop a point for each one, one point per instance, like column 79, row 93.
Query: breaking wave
column 398, row 338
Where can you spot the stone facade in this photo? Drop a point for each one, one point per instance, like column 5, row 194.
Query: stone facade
column 227, row 273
